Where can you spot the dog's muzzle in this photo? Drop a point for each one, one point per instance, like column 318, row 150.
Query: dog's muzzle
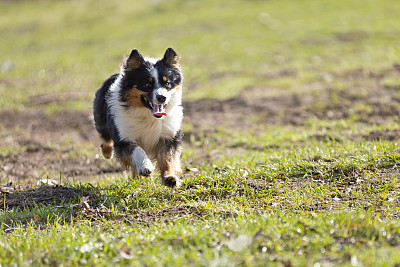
column 157, row 109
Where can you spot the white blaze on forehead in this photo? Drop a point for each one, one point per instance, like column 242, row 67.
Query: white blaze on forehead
column 154, row 74
column 161, row 91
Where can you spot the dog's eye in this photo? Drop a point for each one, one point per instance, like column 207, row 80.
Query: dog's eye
column 147, row 85
column 167, row 84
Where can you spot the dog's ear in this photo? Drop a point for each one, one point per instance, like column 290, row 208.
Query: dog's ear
column 133, row 61
column 171, row 58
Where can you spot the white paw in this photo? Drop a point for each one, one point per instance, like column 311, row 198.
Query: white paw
column 146, row 168
column 142, row 163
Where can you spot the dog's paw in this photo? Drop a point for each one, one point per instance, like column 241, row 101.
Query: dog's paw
column 107, row 150
column 146, row 168
column 141, row 162
column 171, row 181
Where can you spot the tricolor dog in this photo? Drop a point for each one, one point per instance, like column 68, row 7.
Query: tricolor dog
column 138, row 114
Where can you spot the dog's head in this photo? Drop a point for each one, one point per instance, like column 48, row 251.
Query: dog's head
column 154, row 84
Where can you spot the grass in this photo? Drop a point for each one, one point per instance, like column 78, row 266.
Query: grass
column 276, row 238
column 328, row 203
column 321, row 192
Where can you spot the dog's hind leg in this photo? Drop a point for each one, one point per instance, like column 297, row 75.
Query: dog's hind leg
column 168, row 158
column 107, row 148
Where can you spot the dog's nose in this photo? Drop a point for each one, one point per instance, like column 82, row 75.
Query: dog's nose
column 160, row 98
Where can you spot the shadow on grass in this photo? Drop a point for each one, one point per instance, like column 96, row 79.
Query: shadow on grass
column 46, row 195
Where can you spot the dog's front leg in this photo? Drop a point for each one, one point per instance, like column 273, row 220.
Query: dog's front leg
column 168, row 158
column 131, row 154
column 141, row 162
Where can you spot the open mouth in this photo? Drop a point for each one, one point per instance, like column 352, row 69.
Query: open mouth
column 157, row 110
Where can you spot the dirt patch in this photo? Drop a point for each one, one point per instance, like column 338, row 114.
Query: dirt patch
column 350, row 36
column 45, row 145
column 241, row 111
column 36, row 164
column 389, row 135
column 366, row 98
column 57, row 97
column 347, row 36
column 43, row 128
column 46, row 195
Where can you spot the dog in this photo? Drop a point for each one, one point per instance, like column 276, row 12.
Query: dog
column 138, row 114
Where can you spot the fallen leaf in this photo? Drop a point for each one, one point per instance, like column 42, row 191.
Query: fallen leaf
column 47, row 182
column 239, row 243
column 86, row 248
column 125, row 254
column 6, row 189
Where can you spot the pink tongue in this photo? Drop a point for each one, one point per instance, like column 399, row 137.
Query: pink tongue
column 159, row 110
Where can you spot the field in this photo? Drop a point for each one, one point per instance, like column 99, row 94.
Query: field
column 291, row 149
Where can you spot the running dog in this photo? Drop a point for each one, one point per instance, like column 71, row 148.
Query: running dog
column 138, row 114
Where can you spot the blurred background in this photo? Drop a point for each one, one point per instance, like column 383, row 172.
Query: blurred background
column 70, row 47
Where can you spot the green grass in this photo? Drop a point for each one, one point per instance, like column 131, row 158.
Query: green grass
column 327, row 203
column 321, row 193
column 255, row 240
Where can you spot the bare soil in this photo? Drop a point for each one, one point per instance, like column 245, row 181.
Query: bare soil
column 44, row 146
column 46, row 195
column 366, row 98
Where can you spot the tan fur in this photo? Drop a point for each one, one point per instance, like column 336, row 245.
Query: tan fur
column 106, row 148
column 134, row 100
column 170, row 167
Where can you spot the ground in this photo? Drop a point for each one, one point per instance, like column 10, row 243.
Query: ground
column 37, row 159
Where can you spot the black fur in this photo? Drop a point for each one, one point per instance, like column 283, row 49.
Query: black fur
column 137, row 74
column 123, row 151
column 175, row 144
column 100, row 109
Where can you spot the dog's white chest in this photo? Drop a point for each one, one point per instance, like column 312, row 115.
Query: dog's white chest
column 139, row 126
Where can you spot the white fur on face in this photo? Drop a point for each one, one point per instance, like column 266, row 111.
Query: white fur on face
column 161, row 91
column 139, row 126
column 154, row 74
